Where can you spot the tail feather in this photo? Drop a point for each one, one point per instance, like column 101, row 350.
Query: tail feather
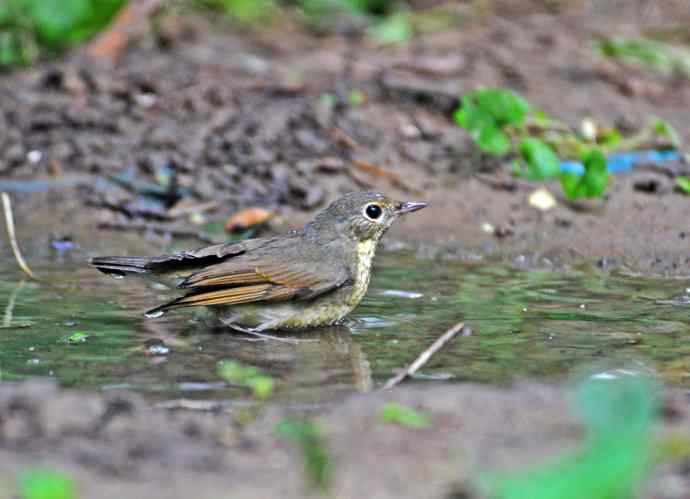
column 121, row 265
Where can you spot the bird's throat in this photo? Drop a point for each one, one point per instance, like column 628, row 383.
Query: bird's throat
column 365, row 256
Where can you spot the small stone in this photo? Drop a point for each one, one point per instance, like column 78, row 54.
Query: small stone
column 542, row 199
column 34, row 156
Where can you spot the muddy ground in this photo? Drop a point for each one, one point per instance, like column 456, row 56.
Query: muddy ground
column 119, row 446
column 237, row 118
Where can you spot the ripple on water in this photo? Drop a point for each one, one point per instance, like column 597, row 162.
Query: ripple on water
column 527, row 323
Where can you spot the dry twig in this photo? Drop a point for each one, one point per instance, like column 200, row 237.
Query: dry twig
column 9, row 221
column 424, row 357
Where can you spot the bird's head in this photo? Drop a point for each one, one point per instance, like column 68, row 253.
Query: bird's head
column 363, row 215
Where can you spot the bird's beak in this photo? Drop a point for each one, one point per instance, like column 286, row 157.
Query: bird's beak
column 409, row 207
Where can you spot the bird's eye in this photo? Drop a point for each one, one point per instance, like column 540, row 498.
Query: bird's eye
column 373, row 211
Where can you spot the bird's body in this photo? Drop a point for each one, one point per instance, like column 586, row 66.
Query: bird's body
column 309, row 277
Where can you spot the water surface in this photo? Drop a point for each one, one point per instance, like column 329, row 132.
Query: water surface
column 537, row 324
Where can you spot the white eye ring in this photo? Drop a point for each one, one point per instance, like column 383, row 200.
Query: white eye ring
column 373, row 212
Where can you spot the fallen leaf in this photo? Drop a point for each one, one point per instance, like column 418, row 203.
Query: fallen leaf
column 249, row 217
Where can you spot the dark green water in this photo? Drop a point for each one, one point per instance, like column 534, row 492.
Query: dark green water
column 536, row 324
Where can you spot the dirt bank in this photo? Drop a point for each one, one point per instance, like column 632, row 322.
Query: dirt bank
column 119, row 446
column 183, row 124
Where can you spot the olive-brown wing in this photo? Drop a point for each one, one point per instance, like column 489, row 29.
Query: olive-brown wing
column 235, row 282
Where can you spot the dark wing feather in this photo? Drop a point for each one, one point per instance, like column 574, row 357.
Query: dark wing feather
column 176, row 262
column 244, row 280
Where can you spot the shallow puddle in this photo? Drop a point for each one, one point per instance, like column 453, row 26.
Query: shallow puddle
column 537, row 324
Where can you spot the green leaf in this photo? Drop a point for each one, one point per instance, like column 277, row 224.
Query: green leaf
column 594, row 181
column 665, row 130
column 249, row 11
column 683, row 183
column 356, row 97
column 610, row 138
column 506, row 107
column 261, row 384
column 39, row 484
column 493, row 140
column 618, row 411
column 77, row 337
column 318, row 465
column 55, row 19
column 395, row 28
column 5, row 14
column 500, row 107
column 392, row 412
column 542, row 162
column 471, row 117
column 328, row 100
column 487, row 113
column 58, row 24
column 541, row 118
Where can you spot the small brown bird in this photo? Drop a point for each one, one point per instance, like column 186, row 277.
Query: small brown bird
column 309, row 277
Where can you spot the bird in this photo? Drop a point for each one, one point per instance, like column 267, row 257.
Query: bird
column 306, row 278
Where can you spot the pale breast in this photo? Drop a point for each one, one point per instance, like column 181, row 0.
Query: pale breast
column 365, row 257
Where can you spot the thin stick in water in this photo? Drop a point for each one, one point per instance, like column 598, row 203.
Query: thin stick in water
column 9, row 221
column 424, row 357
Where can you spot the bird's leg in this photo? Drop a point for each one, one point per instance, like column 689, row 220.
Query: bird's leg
column 256, row 332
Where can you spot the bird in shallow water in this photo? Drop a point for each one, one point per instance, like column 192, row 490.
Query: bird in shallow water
column 306, row 278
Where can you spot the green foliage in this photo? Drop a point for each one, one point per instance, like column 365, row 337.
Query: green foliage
column 318, row 465
column 594, row 181
column 243, row 11
column 395, row 28
column 392, row 412
column 39, row 484
column 356, row 97
column 654, row 55
column 504, row 124
column 261, row 384
column 542, row 162
column 663, row 129
column 683, row 184
column 618, row 409
column 486, row 114
column 30, row 28
column 77, row 337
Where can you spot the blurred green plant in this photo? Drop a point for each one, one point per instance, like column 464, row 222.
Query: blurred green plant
column 490, row 116
column 594, row 181
column 318, row 464
column 356, row 97
column 396, row 28
column 392, row 412
column 42, row 484
column 657, row 56
column 77, row 337
column 503, row 123
column 243, row 11
column 618, row 409
column 683, row 184
column 259, row 383
column 32, row 28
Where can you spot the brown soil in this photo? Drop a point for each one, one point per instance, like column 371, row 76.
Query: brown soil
column 239, row 120
column 118, row 446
